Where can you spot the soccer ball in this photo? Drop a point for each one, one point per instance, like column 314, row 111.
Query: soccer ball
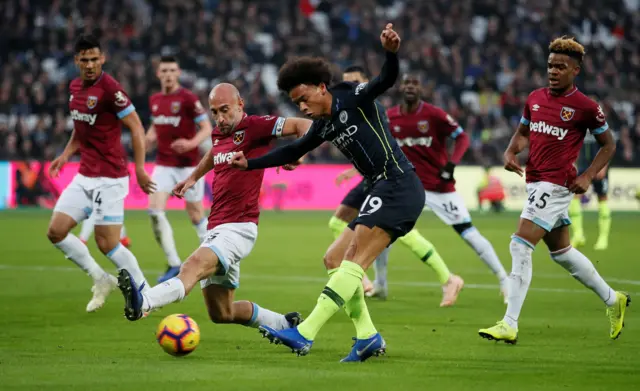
column 178, row 334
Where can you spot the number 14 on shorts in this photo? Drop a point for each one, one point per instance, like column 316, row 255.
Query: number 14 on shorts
column 541, row 199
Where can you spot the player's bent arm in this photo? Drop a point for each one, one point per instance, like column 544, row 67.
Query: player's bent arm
column 460, row 146
column 604, row 155
column 205, row 165
column 296, row 126
column 286, row 154
column 520, row 139
column 385, row 80
column 72, row 146
column 132, row 121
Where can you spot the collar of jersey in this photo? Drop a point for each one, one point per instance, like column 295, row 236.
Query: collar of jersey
column 95, row 82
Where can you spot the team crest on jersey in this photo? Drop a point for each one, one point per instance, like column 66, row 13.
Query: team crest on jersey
column 175, row 107
column 154, row 108
column 344, row 117
column 423, row 126
column 567, row 113
column 92, row 101
column 238, row 137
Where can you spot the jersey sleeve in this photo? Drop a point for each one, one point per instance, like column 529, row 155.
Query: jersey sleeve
column 195, row 109
column 596, row 121
column 151, row 108
column 447, row 124
column 368, row 92
column 267, row 127
column 288, row 153
column 118, row 100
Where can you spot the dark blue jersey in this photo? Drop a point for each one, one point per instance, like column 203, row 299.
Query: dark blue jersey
column 358, row 127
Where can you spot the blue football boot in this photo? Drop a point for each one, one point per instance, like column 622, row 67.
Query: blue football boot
column 288, row 337
column 171, row 272
column 365, row 348
column 132, row 296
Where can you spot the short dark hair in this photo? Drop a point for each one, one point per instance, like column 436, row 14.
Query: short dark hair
column 356, row 68
column 86, row 42
column 169, row 59
column 568, row 46
column 304, row 70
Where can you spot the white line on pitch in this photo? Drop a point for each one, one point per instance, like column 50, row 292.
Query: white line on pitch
column 268, row 277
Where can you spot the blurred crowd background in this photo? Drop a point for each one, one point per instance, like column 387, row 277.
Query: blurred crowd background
column 479, row 58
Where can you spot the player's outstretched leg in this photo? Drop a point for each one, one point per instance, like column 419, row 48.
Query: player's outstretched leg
column 575, row 214
column 583, row 270
column 604, row 224
column 486, row 252
column 340, row 220
column 224, row 310
column 426, row 251
column 344, row 284
column 73, row 249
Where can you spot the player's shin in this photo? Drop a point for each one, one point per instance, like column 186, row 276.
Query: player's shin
column 485, row 251
column 76, row 251
column 336, row 225
column 604, row 223
column 583, row 270
column 124, row 259
column 357, row 310
column 427, row 252
column 168, row 292
column 519, row 279
column 164, row 236
column 87, row 228
column 265, row 317
column 380, row 266
column 201, row 228
column 340, row 289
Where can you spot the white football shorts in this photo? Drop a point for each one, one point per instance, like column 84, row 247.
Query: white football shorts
column 449, row 207
column 231, row 242
column 166, row 178
column 102, row 197
column 547, row 205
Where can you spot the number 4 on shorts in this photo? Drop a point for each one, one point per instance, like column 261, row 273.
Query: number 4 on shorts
column 542, row 201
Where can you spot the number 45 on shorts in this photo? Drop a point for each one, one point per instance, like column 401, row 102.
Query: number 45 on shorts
column 542, row 199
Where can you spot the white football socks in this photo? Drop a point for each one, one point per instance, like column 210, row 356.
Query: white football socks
column 201, row 228
column 485, row 251
column 164, row 236
column 86, row 230
column 380, row 266
column 160, row 295
column 583, row 270
column 519, row 279
column 124, row 259
column 77, row 252
column 264, row 317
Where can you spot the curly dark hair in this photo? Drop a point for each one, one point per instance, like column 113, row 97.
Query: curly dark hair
column 304, row 70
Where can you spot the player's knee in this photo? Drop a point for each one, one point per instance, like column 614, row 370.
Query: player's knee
column 332, row 260
column 106, row 244
column 346, row 213
column 56, row 234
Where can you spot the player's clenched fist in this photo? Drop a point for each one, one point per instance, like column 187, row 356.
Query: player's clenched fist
column 581, row 184
column 390, row 39
column 239, row 161
column 183, row 186
column 511, row 163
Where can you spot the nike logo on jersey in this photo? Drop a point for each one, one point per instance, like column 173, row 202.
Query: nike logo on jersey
column 78, row 116
column 543, row 127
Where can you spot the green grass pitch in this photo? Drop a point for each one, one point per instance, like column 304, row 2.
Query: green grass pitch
column 48, row 342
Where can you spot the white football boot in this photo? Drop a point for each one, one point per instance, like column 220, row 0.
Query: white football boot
column 101, row 289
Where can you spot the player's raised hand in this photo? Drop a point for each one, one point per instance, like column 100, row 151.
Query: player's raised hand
column 144, row 181
column 182, row 145
column 581, row 184
column 239, row 161
column 183, row 186
column 56, row 166
column 511, row 163
column 390, row 39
